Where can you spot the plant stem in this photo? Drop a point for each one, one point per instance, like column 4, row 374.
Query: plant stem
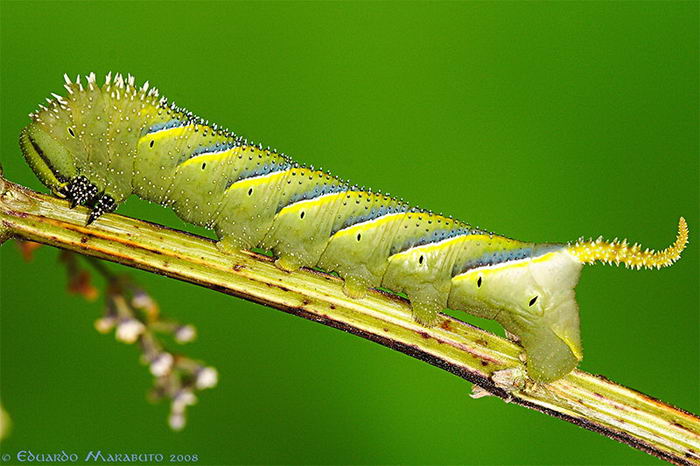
column 490, row 362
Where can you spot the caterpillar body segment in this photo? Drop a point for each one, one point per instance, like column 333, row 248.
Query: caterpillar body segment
column 547, row 319
column 360, row 242
column 100, row 144
column 249, row 206
column 307, row 206
column 425, row 249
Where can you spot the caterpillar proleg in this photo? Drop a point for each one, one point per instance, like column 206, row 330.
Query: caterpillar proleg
column 99, row 144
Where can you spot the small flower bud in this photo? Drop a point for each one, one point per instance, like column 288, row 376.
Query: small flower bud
column 141, row 300
column 162, row 364
column 207, row 377
column 183, row 399
column 185, row 334
column 105, row 324
column 177, row 421
column 129, row 330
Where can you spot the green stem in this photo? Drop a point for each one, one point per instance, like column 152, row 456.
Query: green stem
column 490, row 362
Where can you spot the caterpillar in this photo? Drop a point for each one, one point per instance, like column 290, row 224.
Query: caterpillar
column 100, row 144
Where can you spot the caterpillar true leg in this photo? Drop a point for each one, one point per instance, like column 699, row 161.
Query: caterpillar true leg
column 80, row 191
column 104, row 204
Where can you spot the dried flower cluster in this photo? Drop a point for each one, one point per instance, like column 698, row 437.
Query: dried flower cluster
column 134, row 317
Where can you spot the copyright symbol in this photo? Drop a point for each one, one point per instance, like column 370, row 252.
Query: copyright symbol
column 6, row 457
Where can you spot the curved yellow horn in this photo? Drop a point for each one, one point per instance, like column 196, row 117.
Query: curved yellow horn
column 619, row 252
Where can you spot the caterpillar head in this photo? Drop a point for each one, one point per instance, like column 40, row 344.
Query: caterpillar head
column 56, row 149
column 47, row 156
column 51, row 143
column 534, row 299
column 82, row 146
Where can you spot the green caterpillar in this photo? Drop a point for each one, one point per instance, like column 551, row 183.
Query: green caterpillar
column 98, row 145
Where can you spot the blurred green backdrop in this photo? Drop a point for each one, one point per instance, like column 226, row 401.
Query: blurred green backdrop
column 542, row 121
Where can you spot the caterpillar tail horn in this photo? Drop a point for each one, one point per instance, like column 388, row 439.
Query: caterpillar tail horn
column 620, row 252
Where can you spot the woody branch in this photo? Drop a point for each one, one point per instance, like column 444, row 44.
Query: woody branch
column 492, row 363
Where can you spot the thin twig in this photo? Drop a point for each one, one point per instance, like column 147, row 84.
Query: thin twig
column 490, row 362
column 101, row 269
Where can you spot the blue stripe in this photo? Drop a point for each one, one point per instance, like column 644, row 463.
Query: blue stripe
column 373, row 214
column 501, row 257
column 213, row 149
column 313, row 193
column 434, row 236
column 261, row 170
column 165, row 125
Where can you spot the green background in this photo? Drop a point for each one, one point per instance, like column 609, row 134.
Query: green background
column 542, row 121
